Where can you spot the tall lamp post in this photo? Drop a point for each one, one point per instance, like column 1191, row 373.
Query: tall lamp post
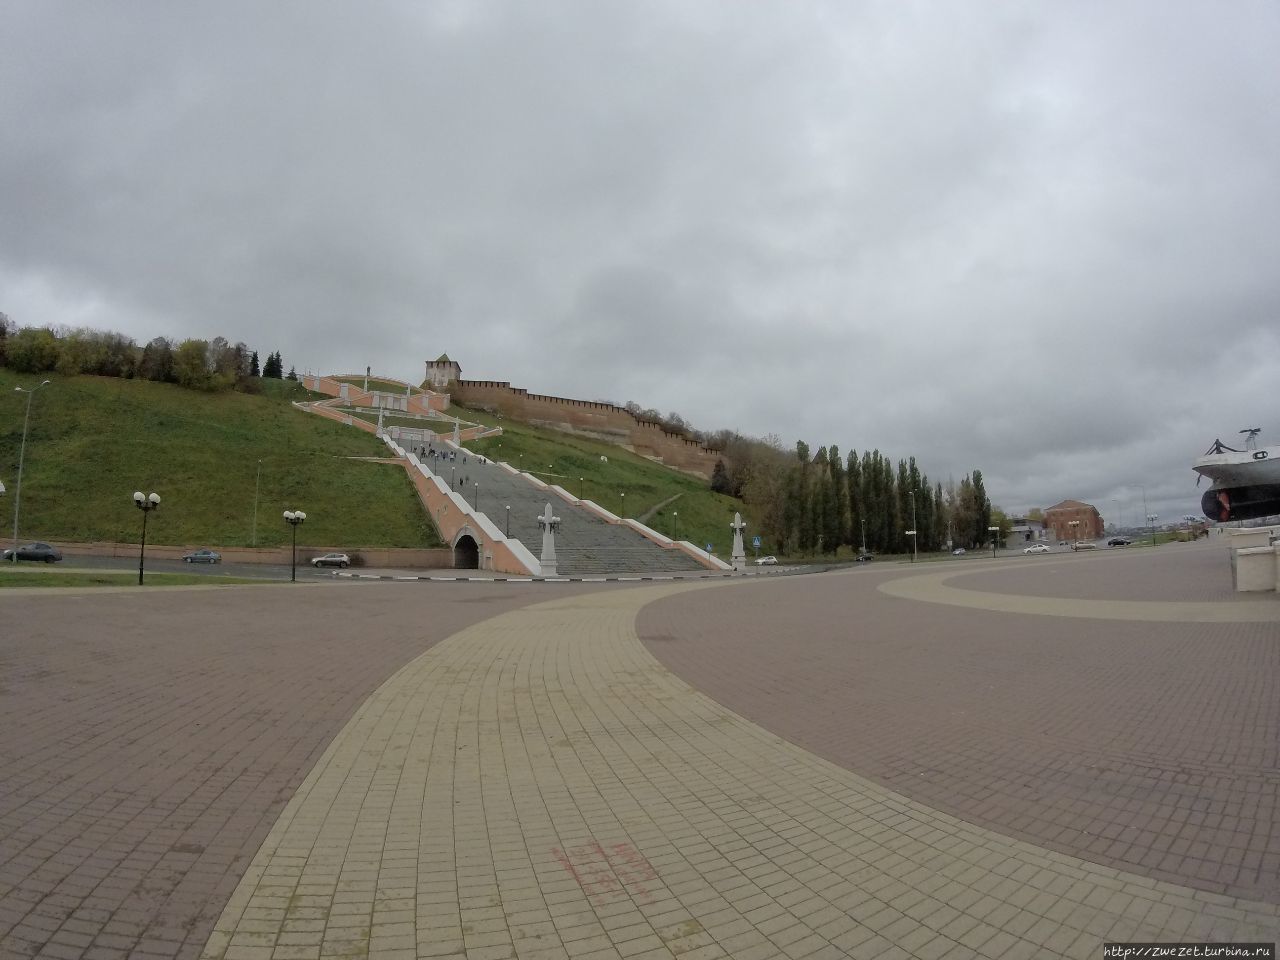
column 1151, row 522
column 22, row 454
column 864, row 534
column 912, row 535
column 1075, row 533
column 915, row 539
column 475, row 500
column 253, row 538
column 293, row 518
column 507, row 533
column 623, row 495
column 995, row 537
column 146, row 503
column 675, row 524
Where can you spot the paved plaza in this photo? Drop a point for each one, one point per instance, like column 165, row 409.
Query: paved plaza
column 1023, row 758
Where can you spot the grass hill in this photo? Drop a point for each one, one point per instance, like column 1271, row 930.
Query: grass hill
column 93, row 441
column 574, row 463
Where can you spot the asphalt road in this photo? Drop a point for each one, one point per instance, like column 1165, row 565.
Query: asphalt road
column 257, row 571
column 276, row 572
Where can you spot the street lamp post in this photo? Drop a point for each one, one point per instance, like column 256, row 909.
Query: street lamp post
column 623, row 495
column 1151, row 522
column 1075, row 533
column 508, row 530
column 675, row 524
column 912, row 535
column 22, row 454
column 915, row 539
column 146, row 503
column 475, row 500
column 293, row 518
column 995, row 536
column 864, row 534
column 253, row 540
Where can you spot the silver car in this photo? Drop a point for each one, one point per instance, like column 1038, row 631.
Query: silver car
column 332, row 560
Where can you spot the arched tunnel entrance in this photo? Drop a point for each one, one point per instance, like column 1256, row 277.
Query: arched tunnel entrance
column 466, row 553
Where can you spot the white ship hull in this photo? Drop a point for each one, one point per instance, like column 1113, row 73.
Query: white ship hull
column 1241, row 469
column 1245, row 484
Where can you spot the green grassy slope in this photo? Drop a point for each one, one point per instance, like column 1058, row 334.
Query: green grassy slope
column 93, row 441
column 574, row 463
column 386, row 386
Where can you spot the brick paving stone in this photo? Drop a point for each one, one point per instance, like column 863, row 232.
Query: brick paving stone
column 1129, row 743
column 541, row 763
column 149, row 738
column 638, row 787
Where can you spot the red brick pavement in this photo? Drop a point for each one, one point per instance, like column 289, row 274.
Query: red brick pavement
column 149, row 739
column 1153, row 748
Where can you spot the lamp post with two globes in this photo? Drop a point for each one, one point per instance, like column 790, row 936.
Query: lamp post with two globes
column 146, row 503
column 293, row 518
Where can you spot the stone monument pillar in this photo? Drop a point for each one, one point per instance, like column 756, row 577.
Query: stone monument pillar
column 738, row 556
column 549, row 526
column 457, row 433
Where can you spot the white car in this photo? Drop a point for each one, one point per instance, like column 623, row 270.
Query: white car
column 766, row 561
column 1037, row 548
column 332, row 560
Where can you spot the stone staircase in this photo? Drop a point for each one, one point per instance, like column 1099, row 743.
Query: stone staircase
column 586, row 544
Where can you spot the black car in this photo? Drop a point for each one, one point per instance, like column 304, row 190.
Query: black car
column 1119, row 542
column 36, row 551
column 864, row 558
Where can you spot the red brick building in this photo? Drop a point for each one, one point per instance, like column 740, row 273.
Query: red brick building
column 1057, row 520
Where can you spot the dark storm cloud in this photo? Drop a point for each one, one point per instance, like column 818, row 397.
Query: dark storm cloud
column 1035, row 240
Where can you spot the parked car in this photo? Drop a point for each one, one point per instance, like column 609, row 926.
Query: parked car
column 1037, row 548
column 332, row 560
column 1119, row 542
column 1084, row 545
column 204, row 556
column 864, row 558
column 36, row 551
column 766, row 561
column 958, row 552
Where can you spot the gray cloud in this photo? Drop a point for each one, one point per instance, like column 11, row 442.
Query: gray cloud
column 1034, row 240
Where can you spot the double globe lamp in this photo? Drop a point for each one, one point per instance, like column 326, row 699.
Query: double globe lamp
column 293, row 518
column 146, row 503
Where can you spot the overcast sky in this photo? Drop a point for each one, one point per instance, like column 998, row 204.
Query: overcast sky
column 1039, row 239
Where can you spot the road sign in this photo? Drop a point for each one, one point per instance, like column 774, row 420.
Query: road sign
column 755, row 541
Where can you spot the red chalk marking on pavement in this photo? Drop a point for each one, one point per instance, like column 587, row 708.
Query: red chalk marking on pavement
column 608, row 874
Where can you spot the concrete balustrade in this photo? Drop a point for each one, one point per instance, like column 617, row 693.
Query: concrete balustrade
column 1256, row 569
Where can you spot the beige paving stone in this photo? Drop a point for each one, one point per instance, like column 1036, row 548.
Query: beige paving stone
column 542, row 772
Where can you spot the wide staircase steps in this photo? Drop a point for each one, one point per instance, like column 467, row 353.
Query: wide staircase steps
column 586, row 544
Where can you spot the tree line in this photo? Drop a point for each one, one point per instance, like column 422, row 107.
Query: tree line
column 211, row 365
column 807, row 502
